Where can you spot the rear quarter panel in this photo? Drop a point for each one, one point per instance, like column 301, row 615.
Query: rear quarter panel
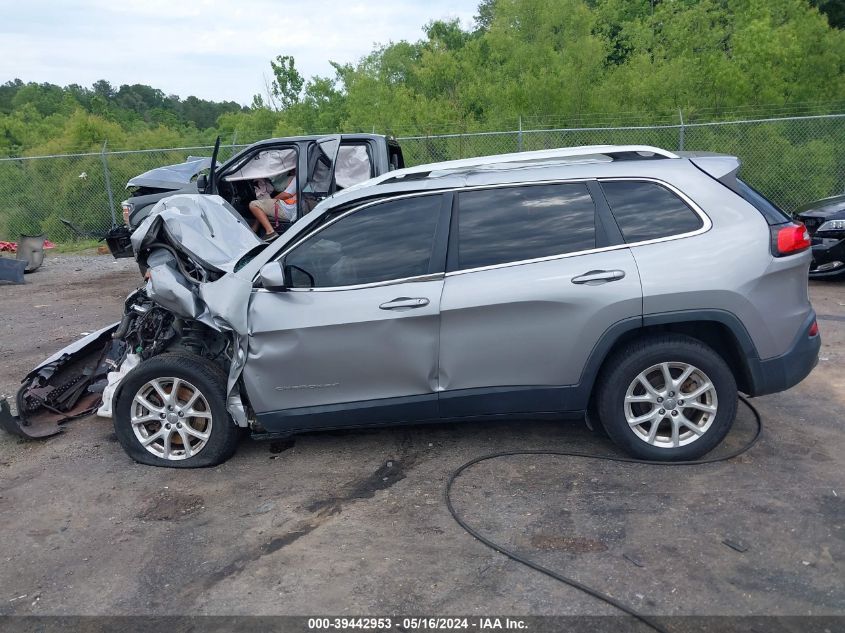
column 730, row 267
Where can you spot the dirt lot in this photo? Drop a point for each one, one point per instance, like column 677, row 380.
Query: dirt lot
column 354, row 522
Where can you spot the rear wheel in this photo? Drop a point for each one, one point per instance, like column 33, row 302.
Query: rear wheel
column 667, row 398
column 171, row 412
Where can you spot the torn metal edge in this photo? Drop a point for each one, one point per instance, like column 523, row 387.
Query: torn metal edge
column 11, row 423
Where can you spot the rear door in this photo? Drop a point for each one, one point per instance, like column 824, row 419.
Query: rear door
column 335, row 163
column 532, row 283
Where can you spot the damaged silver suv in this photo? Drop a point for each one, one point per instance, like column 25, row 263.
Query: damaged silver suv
column 642, row 286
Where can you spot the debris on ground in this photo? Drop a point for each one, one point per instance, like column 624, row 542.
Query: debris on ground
column 12, row 247
column 67, row 385
column 633, row 560
column 739, row 547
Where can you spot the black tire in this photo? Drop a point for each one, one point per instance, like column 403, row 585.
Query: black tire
column 204, row 376
column 620, row 372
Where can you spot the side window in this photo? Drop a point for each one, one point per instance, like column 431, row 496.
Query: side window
column 647, row 211
column 391, row 240
column 496, row 226
column 353, row 166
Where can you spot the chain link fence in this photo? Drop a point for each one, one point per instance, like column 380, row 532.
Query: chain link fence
column 793, row 160
column 76, row 196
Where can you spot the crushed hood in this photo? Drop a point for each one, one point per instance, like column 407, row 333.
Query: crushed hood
column 206, row 229
column 171, row 176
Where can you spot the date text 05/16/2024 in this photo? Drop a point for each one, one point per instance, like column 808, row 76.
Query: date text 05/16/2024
column 417, row 624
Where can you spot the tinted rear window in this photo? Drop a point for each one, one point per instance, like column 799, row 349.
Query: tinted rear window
column 517, row 223
column 770, row 211
column 648, row 211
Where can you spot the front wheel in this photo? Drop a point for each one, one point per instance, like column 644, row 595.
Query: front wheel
column 667, row 398
column 171, row 411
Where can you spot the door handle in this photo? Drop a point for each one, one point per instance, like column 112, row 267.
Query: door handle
column 405, row 303
column 596, row 277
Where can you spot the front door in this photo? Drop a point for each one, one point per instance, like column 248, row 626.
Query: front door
column 354, row 338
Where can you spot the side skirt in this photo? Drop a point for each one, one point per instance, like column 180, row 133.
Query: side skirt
column 496, row 403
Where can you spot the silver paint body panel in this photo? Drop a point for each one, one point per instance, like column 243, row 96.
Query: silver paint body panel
column 519, row 324
column 309, row 348
column 529, row 324
column 729, row 267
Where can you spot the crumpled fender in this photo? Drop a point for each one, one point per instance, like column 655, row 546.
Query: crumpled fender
column 226, row 303
column 207, row 231
column 172, row 291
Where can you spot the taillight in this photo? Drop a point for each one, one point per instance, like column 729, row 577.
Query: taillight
column 789, row 239
column 814, row 329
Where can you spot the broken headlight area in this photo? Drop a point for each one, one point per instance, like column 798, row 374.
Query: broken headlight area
column 145, row 327
column 148, row 330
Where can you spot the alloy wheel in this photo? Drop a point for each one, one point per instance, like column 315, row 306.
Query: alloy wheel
column 670, row 404
column 171, row 418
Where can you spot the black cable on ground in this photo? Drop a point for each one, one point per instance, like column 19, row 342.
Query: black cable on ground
column 596, row 593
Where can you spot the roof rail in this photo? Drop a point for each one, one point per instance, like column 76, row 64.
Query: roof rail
column 611, row 151
column 584, row 152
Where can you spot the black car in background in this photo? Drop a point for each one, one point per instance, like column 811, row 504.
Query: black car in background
column 329, row 164
column 825, row 221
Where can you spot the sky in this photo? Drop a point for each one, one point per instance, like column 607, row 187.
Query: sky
column 213, row 49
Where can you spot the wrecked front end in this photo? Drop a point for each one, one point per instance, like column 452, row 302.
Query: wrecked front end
column 67, row 385
column 192, row 301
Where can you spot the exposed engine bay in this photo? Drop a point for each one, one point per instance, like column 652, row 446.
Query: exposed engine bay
column 188, row 250
column 147, row 330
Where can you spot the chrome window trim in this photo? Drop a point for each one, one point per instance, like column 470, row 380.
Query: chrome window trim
column 707, row 224
column 375, row 284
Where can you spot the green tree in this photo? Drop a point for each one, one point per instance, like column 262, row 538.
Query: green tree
column 287, row 82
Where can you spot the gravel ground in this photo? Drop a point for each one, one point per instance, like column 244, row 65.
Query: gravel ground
column 68, row 295
column 354, row 522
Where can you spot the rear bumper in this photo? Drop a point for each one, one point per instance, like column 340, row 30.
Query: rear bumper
column 782, row 372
